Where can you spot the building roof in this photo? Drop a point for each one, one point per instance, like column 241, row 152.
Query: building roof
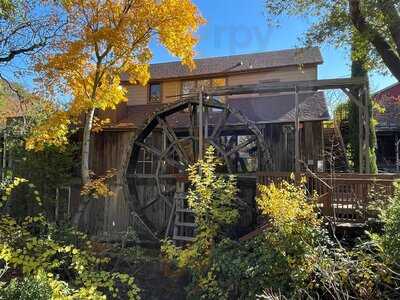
column 261, row 110
column 11, row 108
column 236, row 63
column 389, row 99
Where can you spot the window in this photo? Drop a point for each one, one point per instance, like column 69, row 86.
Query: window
column 203, row 84
column 144, row 162
column 217, row 82
column 155, row 93
column 191, row 86
column 188, row 86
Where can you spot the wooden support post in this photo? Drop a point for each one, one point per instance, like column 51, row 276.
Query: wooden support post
column 57, row 209
column 206, row 123
column 297, row 132
column 360, row 139
column 367, row 125
column 4, row 158
column 397, row 144
column 201, row 129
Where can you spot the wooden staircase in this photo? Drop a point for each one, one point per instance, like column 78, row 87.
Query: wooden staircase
column 334, row 150
column 184, row 226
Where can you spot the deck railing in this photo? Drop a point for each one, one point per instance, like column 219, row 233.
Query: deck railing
column 345, row 197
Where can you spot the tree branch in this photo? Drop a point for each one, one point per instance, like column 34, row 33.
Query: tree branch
column 16, row 52
column 389, row 10
column 389, row 57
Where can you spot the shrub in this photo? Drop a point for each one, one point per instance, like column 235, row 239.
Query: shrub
column 29, row 288
column 28, row 248
column 390, row 239
column 294, row 258
column 212, row 198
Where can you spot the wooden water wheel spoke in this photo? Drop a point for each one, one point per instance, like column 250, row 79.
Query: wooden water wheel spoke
column 221, row 123
column 161, row 155
column 192, row 129
column 265, row 147
column 148, row 204
column 223, row 153
column 192, row 120
column 241, row 145
column 159, row 189
column 169, row 132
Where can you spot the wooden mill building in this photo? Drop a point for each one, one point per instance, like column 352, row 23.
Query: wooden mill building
column 156, row 134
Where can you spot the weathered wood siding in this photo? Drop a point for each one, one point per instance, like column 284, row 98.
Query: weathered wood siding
column 312, row 144
column 138, row 94
column 111, row 215
column 170, row 89
column 282, row 74
column 281, row 139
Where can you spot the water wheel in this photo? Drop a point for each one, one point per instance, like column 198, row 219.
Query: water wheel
column 169, row 142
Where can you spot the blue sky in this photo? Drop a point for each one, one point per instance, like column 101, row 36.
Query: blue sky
column 240, row 26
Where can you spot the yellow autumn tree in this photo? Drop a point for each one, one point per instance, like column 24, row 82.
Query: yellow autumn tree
column 102, row 40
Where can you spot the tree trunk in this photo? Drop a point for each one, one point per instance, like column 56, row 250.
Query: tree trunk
column 85, row 165
column 358, row 70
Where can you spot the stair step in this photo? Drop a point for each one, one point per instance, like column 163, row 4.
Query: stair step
column 183, row 238
column 185, row 224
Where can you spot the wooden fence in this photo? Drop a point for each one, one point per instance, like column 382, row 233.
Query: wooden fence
column 345, row 197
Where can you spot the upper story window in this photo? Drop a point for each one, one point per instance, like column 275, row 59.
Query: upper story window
column 188, row 86
column 192, row 86
column 155, row 93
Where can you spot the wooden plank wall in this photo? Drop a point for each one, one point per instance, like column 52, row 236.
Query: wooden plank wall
column 312, row 144
column 111, row 216
column 281, row 138
column 108, row 216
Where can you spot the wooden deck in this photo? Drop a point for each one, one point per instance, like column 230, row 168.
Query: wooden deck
column 344, row 197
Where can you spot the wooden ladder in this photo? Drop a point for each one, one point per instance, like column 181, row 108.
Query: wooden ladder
column 184, row 226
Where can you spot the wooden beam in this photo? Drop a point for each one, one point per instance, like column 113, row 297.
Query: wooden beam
column 360, row 140
column 288, row 86
column 174, row 140
column 161, row 155
column 241, row 145
column 201, row 129
column 220, row 125
column 352, row 97
column 297, row 132
column 367, row 133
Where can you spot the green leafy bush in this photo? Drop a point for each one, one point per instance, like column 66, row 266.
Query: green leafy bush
column 32, row 248
column 294, row 258
column 28, row 288
column 390, row 239
column 212, row 198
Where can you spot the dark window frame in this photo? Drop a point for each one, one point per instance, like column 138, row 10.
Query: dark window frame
column 149, row 92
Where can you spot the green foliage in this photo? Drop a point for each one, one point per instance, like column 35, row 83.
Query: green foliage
column 72, row 270
column 294, row 258
column 212, row 199
column 390, row 239
column 29, row 288
column 46, row 170
column 7, row 8
column 331, row 23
